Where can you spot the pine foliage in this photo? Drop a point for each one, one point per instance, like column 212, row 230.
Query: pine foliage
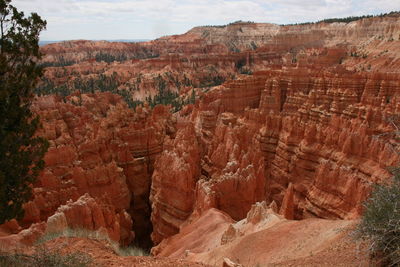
column 21, row 152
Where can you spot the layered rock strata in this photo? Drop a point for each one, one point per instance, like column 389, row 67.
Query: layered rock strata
column 173, row 183
column 304, row 139
column 206, row 56
column 105, row 150
column 309, row 133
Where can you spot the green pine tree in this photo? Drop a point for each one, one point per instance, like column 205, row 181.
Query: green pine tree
column 21, row 152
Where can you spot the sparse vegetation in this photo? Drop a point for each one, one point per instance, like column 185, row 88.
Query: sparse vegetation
column 245, row 70
column 347, row 19
column 210, row 81
column 95, row 235
column 380, row 223
column 44, row 257
column 358, row 54
column 110, row 58
column 165, row 96
column 103, row 83
column 59, row 62
column 229, row 24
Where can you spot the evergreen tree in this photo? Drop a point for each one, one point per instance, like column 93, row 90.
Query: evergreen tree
column 192, row 97
column 21, row 152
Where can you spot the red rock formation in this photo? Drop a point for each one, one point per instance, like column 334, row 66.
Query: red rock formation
column 301, row 141
column 287, row 207
column 205, row 53
column 307, row 133
column 233, row 169
column 87, row 214
column 262, row 238
column 173, row 183
column 103, row 149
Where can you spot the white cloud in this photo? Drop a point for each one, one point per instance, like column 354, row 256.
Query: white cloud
column 114, row 19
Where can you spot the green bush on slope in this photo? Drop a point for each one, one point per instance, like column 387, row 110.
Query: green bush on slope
column 380, row 223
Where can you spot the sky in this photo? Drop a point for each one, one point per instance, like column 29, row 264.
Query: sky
column 150, row 19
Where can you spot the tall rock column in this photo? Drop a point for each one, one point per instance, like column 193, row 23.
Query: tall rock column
column 176, row 172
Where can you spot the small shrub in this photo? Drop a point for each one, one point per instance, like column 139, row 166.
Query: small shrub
column 73, row 232
column 246, row 71
column 380, row 223
column 130, row 251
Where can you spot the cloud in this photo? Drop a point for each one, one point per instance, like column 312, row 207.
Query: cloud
column 117, row 19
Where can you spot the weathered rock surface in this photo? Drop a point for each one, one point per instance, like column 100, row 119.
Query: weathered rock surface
column 87, row 214
column 306, row 135
column 99, row 164
column 317, row 141
column 233, row 171
column 206, row 56
column 262, row 238
column 294, row 137
column 173, row 183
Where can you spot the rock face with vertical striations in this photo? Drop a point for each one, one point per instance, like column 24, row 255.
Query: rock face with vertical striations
column 301, row 140
column 87, row 214
column 104, row 151
column 173, row 183
column 315, row 132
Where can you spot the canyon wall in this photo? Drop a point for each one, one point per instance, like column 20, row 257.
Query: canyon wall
column 99, row 164
column 298, row 119
column 304, row 139
column 173, row 182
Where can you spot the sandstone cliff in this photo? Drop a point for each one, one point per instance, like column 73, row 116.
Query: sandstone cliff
column 102, row 149
column 305, row 136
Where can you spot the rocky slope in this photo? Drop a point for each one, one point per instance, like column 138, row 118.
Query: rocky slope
column 261, row 238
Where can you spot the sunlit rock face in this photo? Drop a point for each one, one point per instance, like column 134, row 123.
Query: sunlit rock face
column 176, row 172
column 265, row 236
column 87, row 214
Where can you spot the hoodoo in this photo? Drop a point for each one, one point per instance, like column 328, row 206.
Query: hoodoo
column 241, row 145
